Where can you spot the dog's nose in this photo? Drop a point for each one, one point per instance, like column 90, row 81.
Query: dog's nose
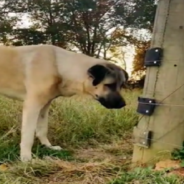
column 116, row 103
column 121, row 104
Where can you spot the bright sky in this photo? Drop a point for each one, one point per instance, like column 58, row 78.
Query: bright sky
column 25, row 22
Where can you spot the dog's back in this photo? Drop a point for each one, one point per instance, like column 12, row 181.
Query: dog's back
column 23, row 63
column 41, row 64
column 11, row 73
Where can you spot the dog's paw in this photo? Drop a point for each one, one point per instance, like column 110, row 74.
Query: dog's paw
column 25, row 157
column 55, row 147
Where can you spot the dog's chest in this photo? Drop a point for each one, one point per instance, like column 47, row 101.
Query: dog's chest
column 12, row 86
column 68, row 88
column 67, row 92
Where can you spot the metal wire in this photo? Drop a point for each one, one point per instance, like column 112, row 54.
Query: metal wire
column 161, row 104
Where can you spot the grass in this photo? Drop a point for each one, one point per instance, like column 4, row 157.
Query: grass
column 74, row 122
column 146, row 176
column 97, row 145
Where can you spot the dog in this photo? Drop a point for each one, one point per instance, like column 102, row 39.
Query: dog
column 37, row 74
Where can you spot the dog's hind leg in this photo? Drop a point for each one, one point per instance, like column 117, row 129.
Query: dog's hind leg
column 42, row 128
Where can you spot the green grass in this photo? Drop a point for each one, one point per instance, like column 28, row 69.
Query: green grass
column 75, row 124
column 146, row 176
column 10, row 152
column 82, row 121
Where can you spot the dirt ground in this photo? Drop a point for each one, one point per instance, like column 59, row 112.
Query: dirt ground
column 93, row 165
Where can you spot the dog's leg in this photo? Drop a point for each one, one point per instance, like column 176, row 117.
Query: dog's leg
column 42, row 128
column 31, row 111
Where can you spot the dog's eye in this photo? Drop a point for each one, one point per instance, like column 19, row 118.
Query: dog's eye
column 111, row 86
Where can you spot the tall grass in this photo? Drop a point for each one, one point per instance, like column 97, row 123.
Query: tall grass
column 76, row 121
column 82, row 121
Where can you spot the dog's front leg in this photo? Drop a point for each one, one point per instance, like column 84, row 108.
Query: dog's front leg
column 31, row 111
column 42, row 128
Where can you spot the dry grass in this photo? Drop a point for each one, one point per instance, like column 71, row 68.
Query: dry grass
column 97, row 146
column 96, row 141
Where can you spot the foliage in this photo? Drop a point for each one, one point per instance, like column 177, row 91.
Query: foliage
column 29, row 36
column 6, row 22
column 138, row 63
column 140, row 14
column 178, row 154
column 92, row 26
column 98, row 28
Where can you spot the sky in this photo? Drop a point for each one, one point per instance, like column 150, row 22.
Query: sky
column 25, row 22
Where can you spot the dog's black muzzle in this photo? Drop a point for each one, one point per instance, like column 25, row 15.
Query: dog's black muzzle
column 112, row 101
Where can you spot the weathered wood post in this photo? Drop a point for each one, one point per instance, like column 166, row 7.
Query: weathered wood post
column 165, row 84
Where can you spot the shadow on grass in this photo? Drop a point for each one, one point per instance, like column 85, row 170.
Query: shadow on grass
column 10, row 151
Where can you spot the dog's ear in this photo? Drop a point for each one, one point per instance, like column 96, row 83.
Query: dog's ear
column 98, row 73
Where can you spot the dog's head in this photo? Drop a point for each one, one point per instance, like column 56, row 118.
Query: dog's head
column 105, row 82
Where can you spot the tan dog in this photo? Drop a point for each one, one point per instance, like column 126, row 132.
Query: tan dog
column 38, row 74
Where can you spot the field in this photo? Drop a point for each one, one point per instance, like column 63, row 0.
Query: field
column 97, row 145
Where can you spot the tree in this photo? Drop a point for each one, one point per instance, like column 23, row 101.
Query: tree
column 92, row 26
column 142, row 18
column 138, row 63
column 85, row 24
column 91, row 21
column 47, row 18
column 120, row 40
column 26, row 36
column 6, row 23
column 140, row 13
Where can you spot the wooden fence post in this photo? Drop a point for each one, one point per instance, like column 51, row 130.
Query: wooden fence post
column 165, row 84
